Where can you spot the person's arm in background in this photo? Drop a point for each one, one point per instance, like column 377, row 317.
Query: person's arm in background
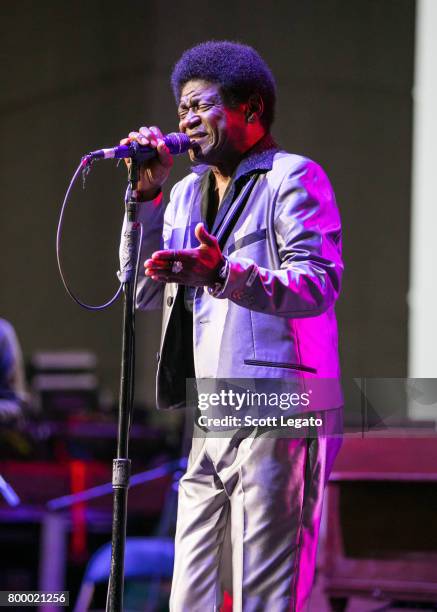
column 12, row 380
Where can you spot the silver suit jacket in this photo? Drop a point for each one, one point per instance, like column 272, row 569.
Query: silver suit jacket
column 275, row 316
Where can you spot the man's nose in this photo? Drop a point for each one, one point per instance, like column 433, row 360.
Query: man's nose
column 189, row 121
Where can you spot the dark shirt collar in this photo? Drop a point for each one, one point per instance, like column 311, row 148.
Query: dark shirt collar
column 258, row 157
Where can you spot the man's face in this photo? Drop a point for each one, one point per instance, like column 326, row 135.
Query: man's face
column 219, row 131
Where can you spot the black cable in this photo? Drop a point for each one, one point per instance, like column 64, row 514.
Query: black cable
column 84, row 166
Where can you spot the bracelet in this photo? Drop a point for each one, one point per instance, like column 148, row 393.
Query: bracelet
column 216, row 288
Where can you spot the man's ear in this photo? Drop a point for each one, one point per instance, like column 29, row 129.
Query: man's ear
column 255, row 108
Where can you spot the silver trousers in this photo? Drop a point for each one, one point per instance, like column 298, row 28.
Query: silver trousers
column 248, row 521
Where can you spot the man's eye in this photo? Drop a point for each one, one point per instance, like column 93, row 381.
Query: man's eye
column 195, row 107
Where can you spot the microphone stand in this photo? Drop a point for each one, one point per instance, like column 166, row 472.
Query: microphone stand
column 121, row 466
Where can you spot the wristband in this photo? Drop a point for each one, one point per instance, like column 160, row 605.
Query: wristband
column 219, row 285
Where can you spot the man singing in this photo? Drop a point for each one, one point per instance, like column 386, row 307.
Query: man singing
column 246, row 262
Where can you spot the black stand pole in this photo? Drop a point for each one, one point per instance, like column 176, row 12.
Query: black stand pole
column 122, row 465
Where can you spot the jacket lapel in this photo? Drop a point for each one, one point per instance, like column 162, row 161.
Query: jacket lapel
column 258, row 159
column 233, row 211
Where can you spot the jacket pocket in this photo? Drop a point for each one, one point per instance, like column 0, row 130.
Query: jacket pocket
column 278, row 364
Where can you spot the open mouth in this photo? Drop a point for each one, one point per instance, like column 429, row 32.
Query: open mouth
column 197, row 136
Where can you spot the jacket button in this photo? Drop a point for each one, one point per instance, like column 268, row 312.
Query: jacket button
column 170, row 300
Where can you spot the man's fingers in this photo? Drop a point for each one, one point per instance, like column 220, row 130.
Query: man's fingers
column 147, row 137
column 166, row 277
column 164, row 154
column 164, row 255
column 158, row 279
column 157, row 264
column 203, row 237
column 185, row 255
column 150, row 270
column 157, row 132
column 180, row 279
column 143, row 138
column 162, row 267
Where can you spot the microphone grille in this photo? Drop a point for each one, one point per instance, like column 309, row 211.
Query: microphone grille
column 177, row 142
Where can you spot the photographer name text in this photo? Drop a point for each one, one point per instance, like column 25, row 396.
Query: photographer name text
column 253, row 421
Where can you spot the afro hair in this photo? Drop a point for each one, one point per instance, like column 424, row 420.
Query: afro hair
column 238, row 69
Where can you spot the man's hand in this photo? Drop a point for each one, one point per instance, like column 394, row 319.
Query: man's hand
column 153, row 172
column 195, row 267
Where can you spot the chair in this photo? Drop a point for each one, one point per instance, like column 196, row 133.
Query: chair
column 145, row 558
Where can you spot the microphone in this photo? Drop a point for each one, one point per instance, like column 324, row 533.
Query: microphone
column 176, row 142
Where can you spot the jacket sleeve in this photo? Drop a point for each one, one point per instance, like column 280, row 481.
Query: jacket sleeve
column 156, row 234
column 307, row 236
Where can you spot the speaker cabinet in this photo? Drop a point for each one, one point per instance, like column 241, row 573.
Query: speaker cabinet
column 381, row 536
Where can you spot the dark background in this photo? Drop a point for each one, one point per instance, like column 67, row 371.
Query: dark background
column 79, row 76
